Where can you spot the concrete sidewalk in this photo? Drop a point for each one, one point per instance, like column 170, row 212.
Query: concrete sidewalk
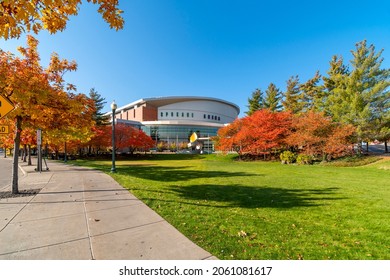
column 83, row 214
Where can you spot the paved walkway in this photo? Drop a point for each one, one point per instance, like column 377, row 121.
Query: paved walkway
column 80, row 214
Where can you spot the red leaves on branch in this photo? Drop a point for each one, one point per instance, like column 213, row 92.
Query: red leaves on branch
column 315, row 134
column 260, row 133
column 266, row 132
column 227, row 138
column 130, row 137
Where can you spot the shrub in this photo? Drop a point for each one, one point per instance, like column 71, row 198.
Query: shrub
column 304, row 159
column 162, row 146
column 287, row 157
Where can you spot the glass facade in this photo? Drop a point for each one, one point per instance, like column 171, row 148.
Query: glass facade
column 170, row 133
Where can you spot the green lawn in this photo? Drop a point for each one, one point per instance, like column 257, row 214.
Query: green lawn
column 265, row 210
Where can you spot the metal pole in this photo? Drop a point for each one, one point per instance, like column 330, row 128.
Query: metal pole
column 39, row 147
column 113, row 168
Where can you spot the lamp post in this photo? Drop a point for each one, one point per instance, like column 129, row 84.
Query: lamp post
column 113, row 108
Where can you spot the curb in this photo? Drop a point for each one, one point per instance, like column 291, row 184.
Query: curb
column 23, row 171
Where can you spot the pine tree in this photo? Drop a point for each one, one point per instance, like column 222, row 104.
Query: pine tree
column 361, row 97
column 312, row 94
column 292, row 96
column 334, row 88
column 255, row 103
column 368, row 86
column 336, row 72
column 99, row 103
column 381, row 117
column 272, row 98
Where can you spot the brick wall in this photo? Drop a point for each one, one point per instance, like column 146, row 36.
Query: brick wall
column 142, row 113
column 149, row 113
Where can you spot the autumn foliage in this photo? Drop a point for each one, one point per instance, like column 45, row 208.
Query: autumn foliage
column 42, row 100
column 128, row 137
column 269, row 133
column 263, row 132
column 316, row 135
column 228, row 137
column 17, row 17
column 41, row 97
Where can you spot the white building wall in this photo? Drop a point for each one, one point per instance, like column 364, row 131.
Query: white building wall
column 199, row 110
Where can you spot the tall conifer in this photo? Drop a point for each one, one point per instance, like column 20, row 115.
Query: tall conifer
column 255, row 102
column 335, row 88
column 312, row 94
column 272, row 98
column 99, row 103
column 360, row 97
column 292, row 96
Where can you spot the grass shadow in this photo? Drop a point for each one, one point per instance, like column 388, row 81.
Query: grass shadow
column 256, row 197
column 174, row 174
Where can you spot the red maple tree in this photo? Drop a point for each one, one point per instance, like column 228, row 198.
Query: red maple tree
column 258, row 134
column 131, row 138
column 264, row 132
column 314, row 134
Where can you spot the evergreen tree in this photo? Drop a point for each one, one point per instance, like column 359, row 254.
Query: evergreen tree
column 381, row 116
column 336, row 72
column 335, row 87
column 99, row 103
column 361, row 97
column 272, row 98
column 368, row 86
column 312, row 94
column 255, row 103
column 292, row 96
column 382, row 130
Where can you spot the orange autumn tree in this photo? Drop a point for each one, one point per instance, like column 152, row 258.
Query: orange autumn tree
column 28, row 139
column 101, row 139
column 17, row 17
column 70, row 122
column 227, row 137
column 316, row 135
column 130, row 138
column 139, row 140
column 24, row 82
column 262, row 133
column 36, row 93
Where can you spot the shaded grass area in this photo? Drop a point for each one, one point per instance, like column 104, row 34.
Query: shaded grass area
column 353, row 161
column 265, row 210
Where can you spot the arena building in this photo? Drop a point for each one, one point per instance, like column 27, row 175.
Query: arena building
column 176, row 118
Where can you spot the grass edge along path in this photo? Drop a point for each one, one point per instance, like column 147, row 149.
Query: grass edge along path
column 265, row 210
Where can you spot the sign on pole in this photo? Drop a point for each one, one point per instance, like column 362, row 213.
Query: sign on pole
column 6, row 106
column 39, row 137
column 4, row 129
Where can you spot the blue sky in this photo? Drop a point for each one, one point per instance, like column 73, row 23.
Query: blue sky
column 223, row 49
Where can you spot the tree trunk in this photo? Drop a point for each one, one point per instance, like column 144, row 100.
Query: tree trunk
column 386, row 148
column 47, row 150
column 65, row 157
column 15, row 167
column 24, row 153
column 29, row 154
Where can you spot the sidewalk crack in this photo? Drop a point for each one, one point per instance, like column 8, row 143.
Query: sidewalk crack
column 87, row 222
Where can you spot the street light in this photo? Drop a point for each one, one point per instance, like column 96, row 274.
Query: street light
column 113, row 108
